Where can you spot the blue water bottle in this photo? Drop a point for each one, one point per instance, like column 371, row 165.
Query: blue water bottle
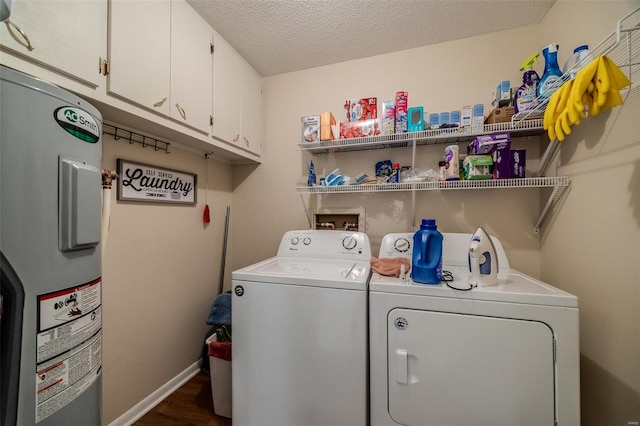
column 426, row 261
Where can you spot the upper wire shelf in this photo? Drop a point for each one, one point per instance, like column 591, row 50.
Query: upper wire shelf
column 426, row 137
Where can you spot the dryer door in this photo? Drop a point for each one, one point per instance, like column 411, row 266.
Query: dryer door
column 454, row 369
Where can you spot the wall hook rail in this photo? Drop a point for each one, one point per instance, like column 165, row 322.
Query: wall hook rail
column 133, row 137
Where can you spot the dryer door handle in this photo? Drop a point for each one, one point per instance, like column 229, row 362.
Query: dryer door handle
column 402, row 365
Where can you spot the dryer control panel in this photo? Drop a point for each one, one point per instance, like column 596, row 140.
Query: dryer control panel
column 315, row 244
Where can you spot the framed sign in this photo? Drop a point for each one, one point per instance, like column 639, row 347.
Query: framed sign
column 142, row 182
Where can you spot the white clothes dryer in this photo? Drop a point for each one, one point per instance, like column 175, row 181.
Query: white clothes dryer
column 299, row 354
column 502, row 355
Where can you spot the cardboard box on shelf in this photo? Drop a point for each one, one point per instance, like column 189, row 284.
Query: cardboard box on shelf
column 359, row 129
column 310, row 128
column 388, row 117
column 361, row 109
column 402, row 107
column 327, row 122
column 500, row 115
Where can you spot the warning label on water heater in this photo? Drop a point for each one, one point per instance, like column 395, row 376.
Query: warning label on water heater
column 69, row 345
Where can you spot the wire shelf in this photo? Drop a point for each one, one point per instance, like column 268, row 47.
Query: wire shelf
column 426, row 137
column 534, row 182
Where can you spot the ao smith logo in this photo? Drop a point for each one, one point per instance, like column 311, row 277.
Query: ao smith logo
column 78, row 123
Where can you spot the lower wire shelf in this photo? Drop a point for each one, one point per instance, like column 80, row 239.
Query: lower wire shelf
column 558, row 183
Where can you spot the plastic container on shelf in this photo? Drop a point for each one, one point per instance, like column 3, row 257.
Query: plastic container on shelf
column 426, row 260
column 578, row 57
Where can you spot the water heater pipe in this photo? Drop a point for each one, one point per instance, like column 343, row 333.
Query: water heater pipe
column 107, row 178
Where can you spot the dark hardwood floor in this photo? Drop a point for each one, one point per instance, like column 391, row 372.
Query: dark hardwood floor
column 191, row 405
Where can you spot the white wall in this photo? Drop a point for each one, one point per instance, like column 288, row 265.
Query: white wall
column 592, row 248
column 161, row 270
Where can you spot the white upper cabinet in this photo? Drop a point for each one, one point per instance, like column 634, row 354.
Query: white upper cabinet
column 191, row 67
column 160, row 59
column 67, row 37
column 237, row 99
column 139, row 54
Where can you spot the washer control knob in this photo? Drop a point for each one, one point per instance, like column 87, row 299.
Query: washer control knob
column 401, row 245
column 306, row 241
column 349, row 243
column 295, row 241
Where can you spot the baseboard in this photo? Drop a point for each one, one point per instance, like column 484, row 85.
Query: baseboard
column 147, row 404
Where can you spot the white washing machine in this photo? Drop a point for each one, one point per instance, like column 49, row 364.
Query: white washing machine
column 299, row 354
column 502, row 355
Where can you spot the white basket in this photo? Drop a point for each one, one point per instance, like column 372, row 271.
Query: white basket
column 220, row 371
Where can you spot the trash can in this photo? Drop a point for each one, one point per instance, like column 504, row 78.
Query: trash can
column 220, row 367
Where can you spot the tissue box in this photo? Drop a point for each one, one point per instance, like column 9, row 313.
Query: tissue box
column 500, row 115
column 402, row 102
column 361, row 109
column 388, row 117
column 310, row 128
column 359, row 129
column 477, row 167
column 415, row 116
column 486, row 144
column 327, row 121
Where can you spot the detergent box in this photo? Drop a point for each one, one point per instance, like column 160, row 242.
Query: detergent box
column 454, row 117
column 310, row 128
column 388, row 117
column 402, row 107
column 434, row 120
column 361, row 109
column 477, row 120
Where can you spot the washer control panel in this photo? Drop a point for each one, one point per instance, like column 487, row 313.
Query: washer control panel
column 397, row 245
column 317, row 244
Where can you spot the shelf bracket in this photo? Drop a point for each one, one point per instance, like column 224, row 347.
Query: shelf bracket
column 556, row 193
column 306, row 210
column 549, row 154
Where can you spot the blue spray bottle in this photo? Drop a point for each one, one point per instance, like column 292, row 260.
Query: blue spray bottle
column 551, row 72
column 526, row 93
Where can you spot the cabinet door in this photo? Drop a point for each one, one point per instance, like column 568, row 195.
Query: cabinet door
column 227, row 87
column 139, row 52
column 251, row 137
column 191, row 81
column 68, row 37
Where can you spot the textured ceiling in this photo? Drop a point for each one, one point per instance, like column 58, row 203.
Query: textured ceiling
column 279, row 36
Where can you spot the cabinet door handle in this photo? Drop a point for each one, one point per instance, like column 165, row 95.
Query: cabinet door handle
column 181, row 111
column 236, row 138
column 160, row 102
column 10, row 24
column 246, row 141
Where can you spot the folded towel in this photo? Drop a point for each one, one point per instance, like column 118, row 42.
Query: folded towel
column 389, row 266
column 220, row 312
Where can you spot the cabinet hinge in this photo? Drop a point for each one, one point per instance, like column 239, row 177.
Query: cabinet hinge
column 212, row 48
column 211, row 120
column 103, row 66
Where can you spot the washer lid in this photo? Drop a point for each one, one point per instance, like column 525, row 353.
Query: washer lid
column 347, row 274
column 514, row 287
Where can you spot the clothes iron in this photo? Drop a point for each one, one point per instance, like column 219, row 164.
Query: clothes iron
column 483, row 261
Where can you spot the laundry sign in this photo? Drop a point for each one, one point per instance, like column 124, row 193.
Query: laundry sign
column 142, row 182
